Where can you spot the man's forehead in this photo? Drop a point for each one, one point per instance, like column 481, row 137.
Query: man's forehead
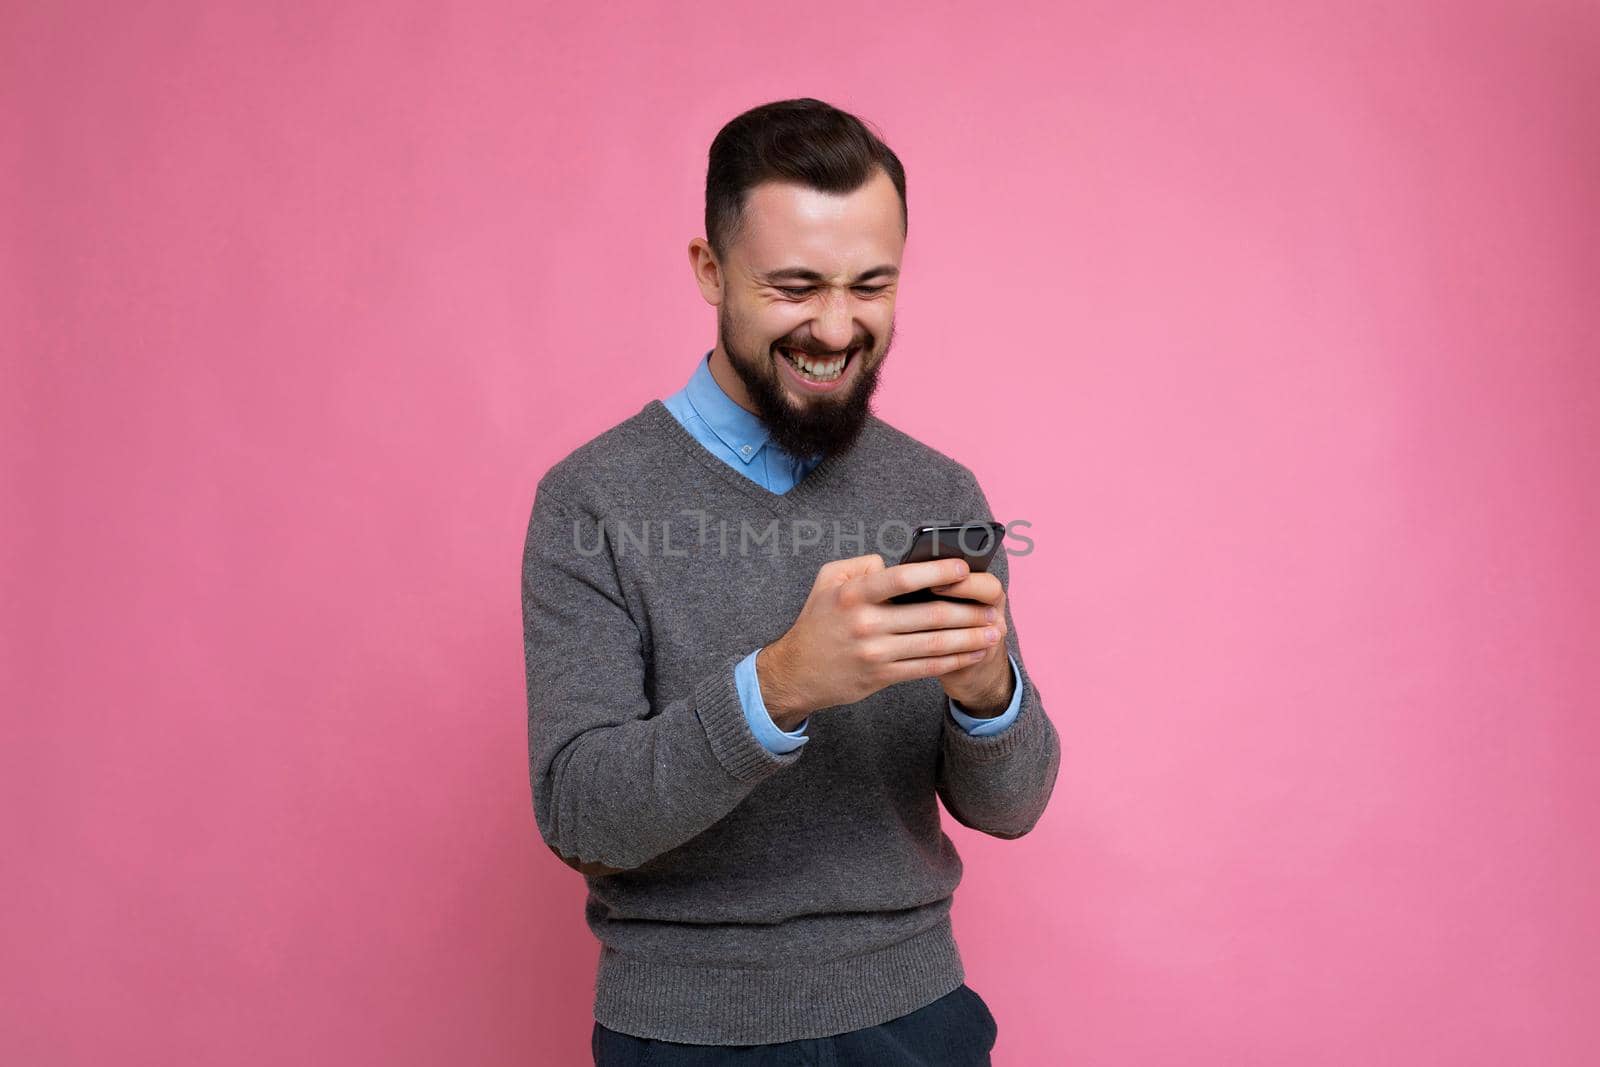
column 789, row 225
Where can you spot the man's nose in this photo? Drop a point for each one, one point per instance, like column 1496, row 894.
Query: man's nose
column 833, row 328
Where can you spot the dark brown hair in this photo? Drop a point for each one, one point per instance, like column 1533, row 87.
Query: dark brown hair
column 804, row 141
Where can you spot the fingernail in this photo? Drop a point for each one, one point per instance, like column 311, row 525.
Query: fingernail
column 990, row 636
column 988, row 616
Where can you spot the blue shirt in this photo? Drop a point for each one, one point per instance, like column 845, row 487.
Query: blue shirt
column 739, row 439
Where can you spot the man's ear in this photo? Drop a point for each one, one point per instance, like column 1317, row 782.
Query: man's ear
column 708, row 273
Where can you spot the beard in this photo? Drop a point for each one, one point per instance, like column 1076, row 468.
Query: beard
column 827, row 424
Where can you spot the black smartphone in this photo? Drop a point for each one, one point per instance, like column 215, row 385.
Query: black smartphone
column 975, row 542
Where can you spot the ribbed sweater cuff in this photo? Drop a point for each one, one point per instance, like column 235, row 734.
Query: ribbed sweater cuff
column 742, row 755
column 1021, row 733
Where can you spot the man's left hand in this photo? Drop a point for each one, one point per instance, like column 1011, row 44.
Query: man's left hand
column 983, row 689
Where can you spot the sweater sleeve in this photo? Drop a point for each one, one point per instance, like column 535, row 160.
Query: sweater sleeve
column 1000, row 783
column 617, row 779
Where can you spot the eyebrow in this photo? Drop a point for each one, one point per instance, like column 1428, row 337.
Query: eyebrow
column 802, row 274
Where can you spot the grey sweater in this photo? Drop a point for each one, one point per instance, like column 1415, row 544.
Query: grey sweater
column 742, row 896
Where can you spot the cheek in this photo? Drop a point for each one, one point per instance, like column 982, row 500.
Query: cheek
column 878, row 318
column 759, row 325
column 777, row 321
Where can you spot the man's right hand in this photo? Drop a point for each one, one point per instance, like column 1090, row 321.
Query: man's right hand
column 848, row 642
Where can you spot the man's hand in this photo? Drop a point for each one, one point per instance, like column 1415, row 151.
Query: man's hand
column 983, row 689
column 848, row 642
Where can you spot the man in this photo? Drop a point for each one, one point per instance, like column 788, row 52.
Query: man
column 732, row 733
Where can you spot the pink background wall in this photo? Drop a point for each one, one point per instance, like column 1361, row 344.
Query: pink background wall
column 1277, row 321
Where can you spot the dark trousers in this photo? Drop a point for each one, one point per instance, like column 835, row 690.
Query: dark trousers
column 954, row 1031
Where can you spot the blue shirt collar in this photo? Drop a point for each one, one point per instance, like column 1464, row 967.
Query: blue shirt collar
column 740, row 430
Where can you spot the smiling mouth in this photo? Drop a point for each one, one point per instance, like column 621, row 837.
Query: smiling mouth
column 818, row 368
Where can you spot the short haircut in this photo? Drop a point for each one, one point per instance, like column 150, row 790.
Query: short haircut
column 804, row 141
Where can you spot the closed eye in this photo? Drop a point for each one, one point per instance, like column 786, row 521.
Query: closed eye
column 800, row 292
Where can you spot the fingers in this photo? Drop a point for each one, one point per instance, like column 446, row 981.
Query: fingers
column 937, row 615
column 979, row 586
column 838, row 572
column 931, row 667
column 855, row 566
column 934, row 644
column 907, row 577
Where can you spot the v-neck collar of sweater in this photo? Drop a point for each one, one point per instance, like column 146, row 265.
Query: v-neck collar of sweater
column 816, row 482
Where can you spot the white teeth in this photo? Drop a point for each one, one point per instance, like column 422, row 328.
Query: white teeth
column 823, row 370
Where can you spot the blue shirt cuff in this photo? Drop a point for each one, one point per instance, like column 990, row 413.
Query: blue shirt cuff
column 985, row 727
column 755, row 711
